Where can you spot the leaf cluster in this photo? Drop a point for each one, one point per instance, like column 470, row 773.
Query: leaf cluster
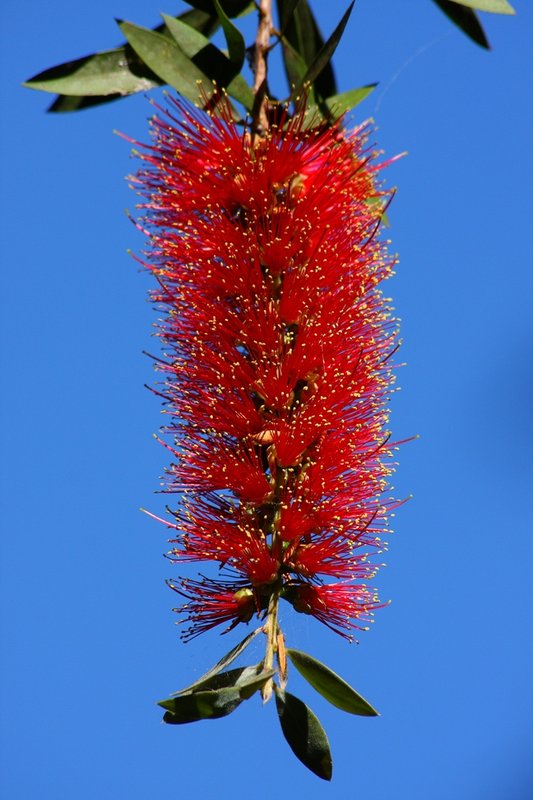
column 179, row 53
column 220, row 691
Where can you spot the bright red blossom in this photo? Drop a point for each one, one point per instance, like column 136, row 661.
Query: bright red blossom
column 277, row 364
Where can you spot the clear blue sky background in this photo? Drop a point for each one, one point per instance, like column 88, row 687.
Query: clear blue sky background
column 88, row 636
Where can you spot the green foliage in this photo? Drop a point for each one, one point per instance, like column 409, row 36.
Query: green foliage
column 117, row 70
column 301, row 42
column 215, row 697
column 340, row 103
column 232, row 8
column 234, row 38
column 493, row 6
column 180, row 54
column 167, row 60
column 211, row 61
column 466, row 19
column 224, row 662
column 304, row 733
column 332, row 687
column 324, row 55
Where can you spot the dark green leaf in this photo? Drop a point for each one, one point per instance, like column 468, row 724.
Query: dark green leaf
column 224, row 662
column 65, row 102
column 211, row 704
column 303, row 35
column 248, row 686
column 466, row 19
column 294, row 62
column 242, row 678
column 234, row 38
column 201, row 21
column 286, row 8
column 166, row 58
column 235, row 686
column 111, row 74
column 325, row 53
column 233, row 8
column 211, row 61
column 222, row 680
column 330, row 685
column 304, row 733
column 493, row 6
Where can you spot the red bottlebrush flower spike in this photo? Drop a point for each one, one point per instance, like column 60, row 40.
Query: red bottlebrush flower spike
column 277, row 363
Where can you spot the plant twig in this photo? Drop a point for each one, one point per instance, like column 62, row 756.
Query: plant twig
column 262, row 44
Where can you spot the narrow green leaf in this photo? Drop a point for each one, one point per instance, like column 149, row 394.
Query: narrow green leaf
column 166, row 58
column 126, row 61
column 249, row 686
column 119, row 71
column 345, row 101
column 224, row 662
column 242, row 678
column 466, row 20
column 294, row 62
column 286, row 9
column 210, row 704
column 206, row 23
column 111, row 72
column 233, row 8
column 492, row 6
column 325, row 53
column 211, row 61
column 302, row 33
column 330, row 685
column 304, row 733
column 234, row 38
column 64, row 102
column 222, row 680
column 235, row 686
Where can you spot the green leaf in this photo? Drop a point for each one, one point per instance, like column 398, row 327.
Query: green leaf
column 233, row 8
column 65, row 102
column 222, row 680
column 210, row 704
column 242, row 678
column 110, row 75
column 345, row 101
column 466, row 19
column 330, row 685
column 286, row 9
column 215, row 702
column 211, row 61
column 303, row 35
column 325, row 53
column 304, row 733
column 234, row 38
column 492, row 6
column 166, row 58
column 119, row 72
column 294, row 63
column 248, row 686
column 224, row 662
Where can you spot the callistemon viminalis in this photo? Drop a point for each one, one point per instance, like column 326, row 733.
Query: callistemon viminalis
column 277, row 345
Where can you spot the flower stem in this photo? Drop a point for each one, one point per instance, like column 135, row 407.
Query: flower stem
column 271, row 631
column 260, row 122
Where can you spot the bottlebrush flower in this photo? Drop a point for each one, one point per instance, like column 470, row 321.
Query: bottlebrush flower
column 277, row 345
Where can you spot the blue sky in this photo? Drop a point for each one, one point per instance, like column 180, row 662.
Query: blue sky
column 89, row 637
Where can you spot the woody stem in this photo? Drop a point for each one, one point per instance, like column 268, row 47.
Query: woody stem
column 271, row 632
column 262, row 44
